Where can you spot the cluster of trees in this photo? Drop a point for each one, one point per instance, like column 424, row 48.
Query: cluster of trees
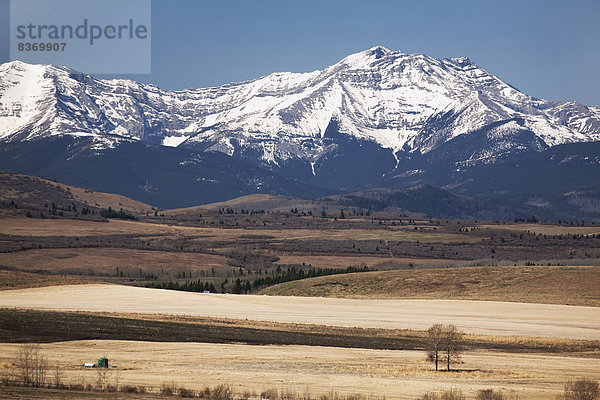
column 231, row 211
column 110, row 213
column 294, row 274
column 532, row 219
column 245, row 286
column 32, row 366
column 188, row 286
column 444, row 344
column 302, row 213
column 87, row 211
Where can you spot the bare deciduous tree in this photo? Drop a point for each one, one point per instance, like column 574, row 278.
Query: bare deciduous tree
column 57, row 377
column 32, row 365
column 452, row 338
column 103, row 375
column 443, row 344
column 118, row 375
column 435, row 342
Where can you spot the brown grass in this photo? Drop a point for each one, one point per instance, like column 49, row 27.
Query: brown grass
column 546, row 229
column 548, row 285
column 23, row 280
column 64, row 227
column 105, row 200
column 34, row 187
column 102, row 261
column 252, row 202
column 70, row 227
column 346, row 261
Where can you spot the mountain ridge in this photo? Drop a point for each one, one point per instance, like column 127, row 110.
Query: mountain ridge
column 402, row 102
column 376, row 119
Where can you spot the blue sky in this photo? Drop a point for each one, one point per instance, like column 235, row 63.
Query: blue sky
column 548, row 49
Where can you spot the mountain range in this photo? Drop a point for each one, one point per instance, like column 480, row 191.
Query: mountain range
column 376, row 119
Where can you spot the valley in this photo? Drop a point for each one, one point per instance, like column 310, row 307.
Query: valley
column 337, row 298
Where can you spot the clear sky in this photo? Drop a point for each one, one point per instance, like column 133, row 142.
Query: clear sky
column 545, row 48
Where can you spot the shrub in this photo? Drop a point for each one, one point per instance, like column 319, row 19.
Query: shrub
column 129, row 389
column 430, row 396
column 288, row 395
column 269, row 394
column 582, row 389
column 166, row 390
column 452, row 394
column 490, row 394
column 222, row 392
column 204, row 393
column 356, row 397
column 76, row 386
column 246, row 395
column 188, row 393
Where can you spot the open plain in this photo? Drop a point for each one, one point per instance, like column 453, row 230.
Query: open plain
column 312, row 369
column 307, row 315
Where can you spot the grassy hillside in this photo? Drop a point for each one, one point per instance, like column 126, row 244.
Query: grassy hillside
column 252, row 202
column 550, row 285
column 42, row 193
column 20, row 280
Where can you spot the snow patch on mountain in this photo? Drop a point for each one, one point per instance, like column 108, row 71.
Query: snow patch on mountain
column 173, row 141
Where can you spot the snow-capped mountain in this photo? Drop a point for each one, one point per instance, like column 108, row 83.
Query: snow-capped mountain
column 406, row 104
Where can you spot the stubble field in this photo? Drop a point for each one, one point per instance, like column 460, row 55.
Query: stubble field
column 479, row 317
column 316, row 370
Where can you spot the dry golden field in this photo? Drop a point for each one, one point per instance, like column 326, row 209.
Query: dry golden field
column 478, row 317
column 316, row 370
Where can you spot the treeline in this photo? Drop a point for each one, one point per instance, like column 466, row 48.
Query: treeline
column 231, row 211
column 532, row 220
column 110, row 213
column 245, row 285
column 294, row 274
column 188, row 286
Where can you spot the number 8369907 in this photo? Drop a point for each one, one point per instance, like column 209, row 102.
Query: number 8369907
column 27, row 46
